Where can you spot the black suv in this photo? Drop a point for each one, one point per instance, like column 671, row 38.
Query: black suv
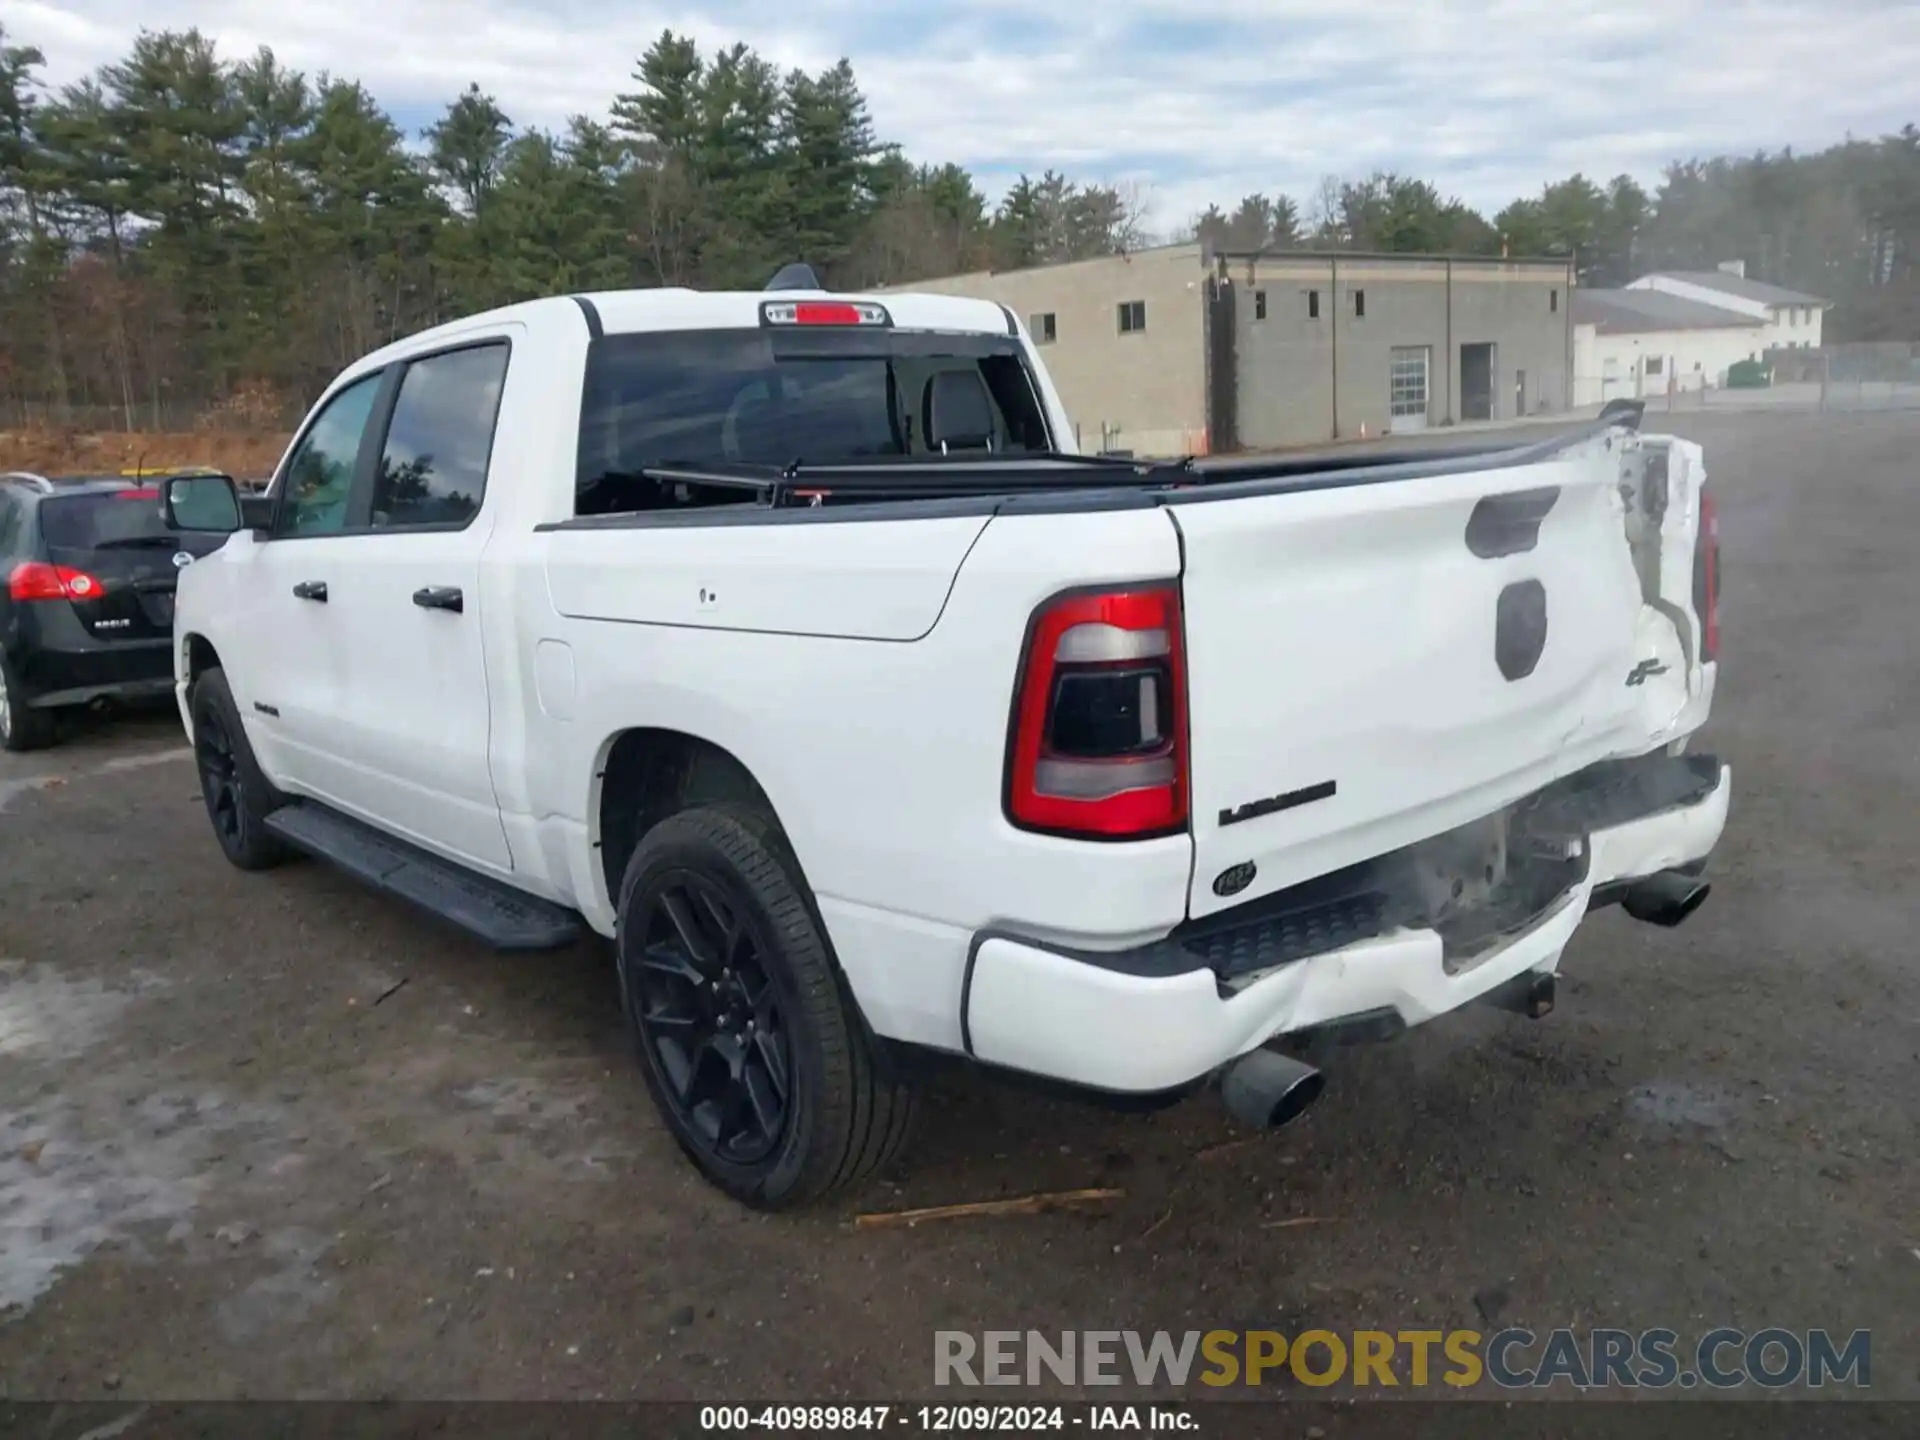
column 86, row 612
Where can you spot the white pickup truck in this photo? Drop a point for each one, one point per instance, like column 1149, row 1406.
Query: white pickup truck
column 781, row 638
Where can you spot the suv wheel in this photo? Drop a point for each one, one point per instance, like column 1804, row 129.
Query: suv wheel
column 20, row 727
column 238, row 796
column 751, row 1047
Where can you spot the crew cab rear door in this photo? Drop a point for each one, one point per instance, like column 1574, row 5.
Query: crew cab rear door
column 1376, row 660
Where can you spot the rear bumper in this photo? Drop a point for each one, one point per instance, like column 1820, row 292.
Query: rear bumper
column 1164, row 1015
column 123, row 670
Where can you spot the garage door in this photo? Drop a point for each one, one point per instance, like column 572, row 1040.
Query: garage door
column 1407, row 387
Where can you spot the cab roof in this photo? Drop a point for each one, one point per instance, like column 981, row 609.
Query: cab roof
column 636, row 312
column 624, row 312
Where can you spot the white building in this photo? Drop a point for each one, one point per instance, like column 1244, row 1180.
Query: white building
column 1642, row 342
column 1792, row 320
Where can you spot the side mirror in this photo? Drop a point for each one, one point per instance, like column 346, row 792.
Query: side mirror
column 200, row 504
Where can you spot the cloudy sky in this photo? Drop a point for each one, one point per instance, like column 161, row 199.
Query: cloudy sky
column 1195, row 100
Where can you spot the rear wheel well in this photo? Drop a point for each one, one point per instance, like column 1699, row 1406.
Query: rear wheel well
column 652, row 774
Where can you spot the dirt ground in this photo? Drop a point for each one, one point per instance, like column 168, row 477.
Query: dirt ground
column 270, row 1136
column 246, row 455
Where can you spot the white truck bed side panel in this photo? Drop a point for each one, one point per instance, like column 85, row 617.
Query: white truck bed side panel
column 866, row 580
column 885, row 762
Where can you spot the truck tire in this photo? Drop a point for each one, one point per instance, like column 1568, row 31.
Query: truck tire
column 21, row 728
column 239, row 797
column 751, row 1046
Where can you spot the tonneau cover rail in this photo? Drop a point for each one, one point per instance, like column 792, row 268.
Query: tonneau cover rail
column 1080, row 481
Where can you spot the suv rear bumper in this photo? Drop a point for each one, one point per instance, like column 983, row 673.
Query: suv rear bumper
column 59, row 662
column 124, row 669
column 1162, row 1016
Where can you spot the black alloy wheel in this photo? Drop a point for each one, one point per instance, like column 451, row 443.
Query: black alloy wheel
column 710, row 1014
column 239, row 796
column 219, row 778
column 751, row 1043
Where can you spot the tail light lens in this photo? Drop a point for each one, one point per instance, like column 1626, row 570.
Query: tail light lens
column 1706, row 577
column 36, row 580
column 1099, row 743
column 824, row 312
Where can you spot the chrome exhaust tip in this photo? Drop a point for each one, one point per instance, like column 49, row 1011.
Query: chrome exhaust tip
column 1265, row 1089
column 1666, row 899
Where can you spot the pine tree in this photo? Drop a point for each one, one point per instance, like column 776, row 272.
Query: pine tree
column 467, row 146
column 827, row 153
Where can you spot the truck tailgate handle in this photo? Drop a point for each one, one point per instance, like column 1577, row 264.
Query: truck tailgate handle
column 440, row 597
column 311, row 590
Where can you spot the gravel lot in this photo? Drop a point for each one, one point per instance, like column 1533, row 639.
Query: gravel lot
column 236, row 1160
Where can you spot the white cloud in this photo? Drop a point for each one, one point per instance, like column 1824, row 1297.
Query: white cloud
column 1487, row 98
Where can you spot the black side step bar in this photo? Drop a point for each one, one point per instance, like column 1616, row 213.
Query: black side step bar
column 505, row 918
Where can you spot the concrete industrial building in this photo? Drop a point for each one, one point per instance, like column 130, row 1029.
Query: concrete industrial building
column 1185, row 350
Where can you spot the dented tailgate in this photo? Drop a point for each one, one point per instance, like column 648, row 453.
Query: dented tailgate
column 1372, row 664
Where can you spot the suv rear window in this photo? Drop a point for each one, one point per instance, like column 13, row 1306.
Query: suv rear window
column 748, row 397
column 104, row 518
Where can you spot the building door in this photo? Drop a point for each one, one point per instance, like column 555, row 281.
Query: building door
column 1407, row 388
column 1476, row 382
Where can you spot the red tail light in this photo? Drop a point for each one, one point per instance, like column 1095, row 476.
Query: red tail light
column 1099, row 742
column 35, row 580
column 1706, row 577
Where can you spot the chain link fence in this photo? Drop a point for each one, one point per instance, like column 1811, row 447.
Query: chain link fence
column 247, row 409
column 1877, row 376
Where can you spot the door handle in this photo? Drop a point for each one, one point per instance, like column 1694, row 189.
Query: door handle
column 312, row 590
column 440, row 597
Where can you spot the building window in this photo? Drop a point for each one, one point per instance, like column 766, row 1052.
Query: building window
column 1553, row 301
column 1654, row 362
column 1359, row 304
column 1133, row 316
column 1259, row 304
column 1407, row 382
column 1313, row 304
column 1044, row 328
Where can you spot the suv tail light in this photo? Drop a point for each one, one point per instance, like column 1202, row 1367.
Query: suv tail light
column 36, row 580
column 1099, row 742
column 1706, row 577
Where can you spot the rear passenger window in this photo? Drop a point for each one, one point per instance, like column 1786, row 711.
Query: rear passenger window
column 433, row 467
